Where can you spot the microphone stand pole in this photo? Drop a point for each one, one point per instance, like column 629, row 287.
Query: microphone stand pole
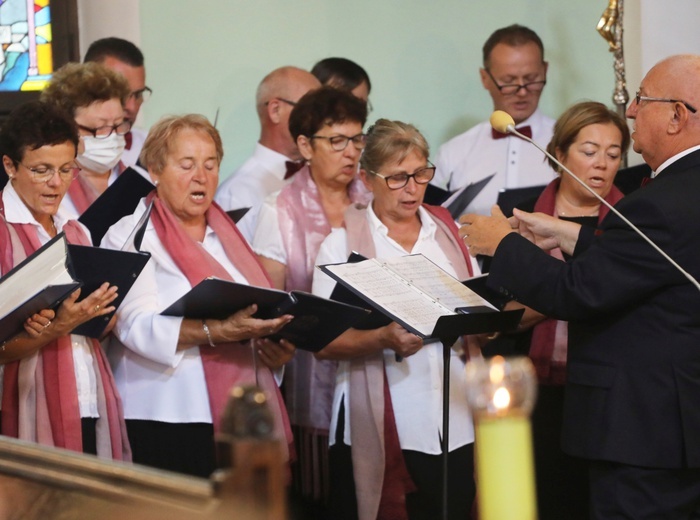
column 447, row 344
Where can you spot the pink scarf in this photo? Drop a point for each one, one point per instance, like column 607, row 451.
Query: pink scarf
column 303, row 225
column 230, row 364
column 82, row 193
column 40, row 397
column 548, row 347
column 381, row 477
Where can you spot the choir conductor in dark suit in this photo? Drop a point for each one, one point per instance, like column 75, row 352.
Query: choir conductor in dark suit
column 632, row 403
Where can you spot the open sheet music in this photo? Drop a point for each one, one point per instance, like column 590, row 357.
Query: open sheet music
column 414, row 291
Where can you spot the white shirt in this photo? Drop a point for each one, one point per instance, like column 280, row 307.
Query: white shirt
column 415, row 383
column 16, row 212
column 262, row 174
column 131, row 156
column 267, row 240
column 156, row 381
column 475, row 154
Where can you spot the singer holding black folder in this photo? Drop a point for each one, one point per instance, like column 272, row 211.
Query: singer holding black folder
column 633, row 373
column 385, row 452
column 174, row 373
column 57, row 388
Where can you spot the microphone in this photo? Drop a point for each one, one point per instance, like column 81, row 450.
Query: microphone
column 503, row 122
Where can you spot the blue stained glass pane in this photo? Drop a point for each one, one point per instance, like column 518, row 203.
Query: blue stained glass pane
column 43, row 16
column 17, row 74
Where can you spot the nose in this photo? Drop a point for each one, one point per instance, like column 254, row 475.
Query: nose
column 131, row 108
column 631, row 111
column 54, row 180
column 411, row 185
column 200, row 175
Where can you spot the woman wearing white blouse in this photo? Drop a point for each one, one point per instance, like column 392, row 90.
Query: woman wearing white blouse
column 175, row 373
column 388, row 373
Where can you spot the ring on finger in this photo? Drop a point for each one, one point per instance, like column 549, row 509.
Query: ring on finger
column 97, row 308
column 47, row 324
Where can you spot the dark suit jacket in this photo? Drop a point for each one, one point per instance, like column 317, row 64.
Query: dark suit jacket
column 633, row 389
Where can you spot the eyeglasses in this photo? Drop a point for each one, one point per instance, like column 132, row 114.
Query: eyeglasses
column 398, row 181
column 638, row 98
column 141, row 96
column 43, row 174
column 288, row 101
column 340, row 142
column 509, row 90
column 104, row 132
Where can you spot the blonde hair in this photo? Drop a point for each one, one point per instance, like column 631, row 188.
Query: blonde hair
column 391, row 141
column 158, row 144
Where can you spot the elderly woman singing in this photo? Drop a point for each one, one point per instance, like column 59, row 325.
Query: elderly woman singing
column 174, row 373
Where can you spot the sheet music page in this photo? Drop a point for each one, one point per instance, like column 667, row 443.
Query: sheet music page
column 389, row 291
column 434, row 282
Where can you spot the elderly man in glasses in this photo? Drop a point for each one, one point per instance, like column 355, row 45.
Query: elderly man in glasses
column 276, row 157
column 514, row 74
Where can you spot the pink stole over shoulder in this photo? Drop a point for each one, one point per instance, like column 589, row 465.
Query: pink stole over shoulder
column 227, row 364
column 303, row 226
column 381, row 478
column 40, row 397
column 548, row 347
column 82, row 193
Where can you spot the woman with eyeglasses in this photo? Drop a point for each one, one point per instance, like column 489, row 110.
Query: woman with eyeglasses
column 388, row 381
column 327, row 126
column 94, row 96
column 57, row 388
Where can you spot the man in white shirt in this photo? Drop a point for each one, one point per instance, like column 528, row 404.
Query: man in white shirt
column 514, row 73
column 124, row 57
column 264, row 172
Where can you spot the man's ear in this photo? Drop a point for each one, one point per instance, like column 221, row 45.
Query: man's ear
column 273, row 111
column 484, row 78
column 680, row 117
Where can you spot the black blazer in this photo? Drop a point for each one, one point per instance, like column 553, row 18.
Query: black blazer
column 633, row 389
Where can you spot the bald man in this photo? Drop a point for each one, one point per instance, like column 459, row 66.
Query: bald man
column 264, row 172
column 632, row 404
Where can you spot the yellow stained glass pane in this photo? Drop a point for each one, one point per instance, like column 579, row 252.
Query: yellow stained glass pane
column 41, row 3
column 44, row 58
column 44, row 31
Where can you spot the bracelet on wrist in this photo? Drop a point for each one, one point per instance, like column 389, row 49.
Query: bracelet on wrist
column 205, row 327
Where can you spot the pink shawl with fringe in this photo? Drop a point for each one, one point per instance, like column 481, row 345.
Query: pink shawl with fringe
column 40, row 397
column 227, row 364
column 82, row 194
column 382, row 480
column 548, row 347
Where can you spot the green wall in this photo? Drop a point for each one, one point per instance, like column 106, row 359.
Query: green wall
column 423, row 57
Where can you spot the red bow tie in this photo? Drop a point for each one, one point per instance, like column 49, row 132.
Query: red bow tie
column 293, row 167
column 525, row 130
column 129, row 139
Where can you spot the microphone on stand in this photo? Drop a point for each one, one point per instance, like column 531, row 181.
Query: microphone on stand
column 504, row 123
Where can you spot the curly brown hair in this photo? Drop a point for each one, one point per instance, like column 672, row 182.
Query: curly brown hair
column 77, row 85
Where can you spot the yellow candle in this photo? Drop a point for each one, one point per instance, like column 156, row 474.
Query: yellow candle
column 505, row 474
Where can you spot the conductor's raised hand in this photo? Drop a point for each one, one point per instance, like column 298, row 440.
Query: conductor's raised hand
column 242, row 326
column 482, row 234
column 72, row 313
column 401, row 341
column 547, row 232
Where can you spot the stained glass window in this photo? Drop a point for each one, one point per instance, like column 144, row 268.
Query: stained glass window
column 26, row 62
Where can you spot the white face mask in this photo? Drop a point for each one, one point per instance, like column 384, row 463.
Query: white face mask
column 101, row 155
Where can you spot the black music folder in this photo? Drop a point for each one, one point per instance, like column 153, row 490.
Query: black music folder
column 42, row 281
column 509, row 198
column 48, row 276
column 317, row 321
column 460, row 199
column 414, row 292
column 117, row 201
column 237, row 214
